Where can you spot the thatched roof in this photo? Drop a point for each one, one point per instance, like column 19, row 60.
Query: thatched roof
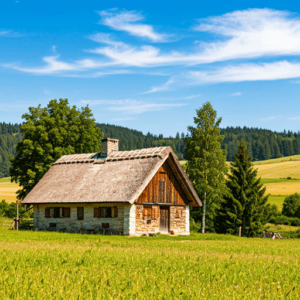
column 121, row 177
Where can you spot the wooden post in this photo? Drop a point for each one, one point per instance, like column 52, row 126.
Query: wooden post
column 240, row 231
column 17, row 221
column 204, row 212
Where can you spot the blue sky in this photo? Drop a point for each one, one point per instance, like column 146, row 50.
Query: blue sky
column 148, row 65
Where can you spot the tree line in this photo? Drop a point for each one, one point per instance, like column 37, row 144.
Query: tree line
column 262, row 144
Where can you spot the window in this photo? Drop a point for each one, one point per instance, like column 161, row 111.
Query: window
column 80, row 213
column 52, row 225
column 162, row 191
column 105, row 212
column 150, row 213
column 66, row 212
column 57, row 212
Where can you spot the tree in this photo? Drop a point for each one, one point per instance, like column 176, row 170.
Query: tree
column 206, row 164
column 245, row 203
column 291, row 206
column 49, row 133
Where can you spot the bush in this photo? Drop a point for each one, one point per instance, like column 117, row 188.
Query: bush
column 284, row 220
column 194, row 227
column 291, row 206
column 295, row 222
column 10, row 210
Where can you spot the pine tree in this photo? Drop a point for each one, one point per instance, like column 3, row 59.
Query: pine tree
column 206, row 165
column 245, row 204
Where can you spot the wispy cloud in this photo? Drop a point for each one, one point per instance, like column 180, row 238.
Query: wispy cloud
column 294, row 118
column 248, row 72
column 128, row 21
column 165, row 87
column 129, row 106
column 236, row 94
column 248, row 34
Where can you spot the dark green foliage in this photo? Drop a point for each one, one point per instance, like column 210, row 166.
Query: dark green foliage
column 206, row 164
column 10, row 135
column 49, row 133
column 131, row 139
column 245, row 203
column 284, row 220
column 10, row 210
column 291, row 206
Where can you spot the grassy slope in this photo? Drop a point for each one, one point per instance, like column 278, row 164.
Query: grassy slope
column 65, row 266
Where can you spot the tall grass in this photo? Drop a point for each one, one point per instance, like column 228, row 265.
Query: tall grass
column 37, row 265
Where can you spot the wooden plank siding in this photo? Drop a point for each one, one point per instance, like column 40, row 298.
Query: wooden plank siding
column 164, row 188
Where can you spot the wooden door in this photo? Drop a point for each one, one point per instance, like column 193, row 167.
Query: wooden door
column 164, row 219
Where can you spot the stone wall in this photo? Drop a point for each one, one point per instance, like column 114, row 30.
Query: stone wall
column 89, row 222
column 178, row 220
column 145, row 225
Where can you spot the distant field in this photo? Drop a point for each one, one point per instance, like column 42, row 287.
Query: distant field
column 8, row 190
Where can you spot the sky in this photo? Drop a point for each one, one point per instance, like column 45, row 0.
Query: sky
column 149, row 65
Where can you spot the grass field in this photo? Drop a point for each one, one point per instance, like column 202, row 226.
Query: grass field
column 37, row 265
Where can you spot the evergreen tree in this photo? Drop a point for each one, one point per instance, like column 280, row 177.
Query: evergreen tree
column 206, row 164
column 245, row 204
column 49, row 133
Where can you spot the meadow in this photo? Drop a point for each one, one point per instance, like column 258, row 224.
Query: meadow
column 50, row 265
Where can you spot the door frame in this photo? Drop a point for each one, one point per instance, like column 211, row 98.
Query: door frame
column 167, row 208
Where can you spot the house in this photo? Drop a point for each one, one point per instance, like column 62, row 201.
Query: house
column 125, row 192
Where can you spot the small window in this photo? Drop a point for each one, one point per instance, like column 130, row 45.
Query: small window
column 47, row 212
column 105, row 225
column 52, row 225
column 56, row 212
column 66, row 212
column 80, row 213
column 105, row 212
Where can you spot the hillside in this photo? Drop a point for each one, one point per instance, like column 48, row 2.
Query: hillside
column 262, row 144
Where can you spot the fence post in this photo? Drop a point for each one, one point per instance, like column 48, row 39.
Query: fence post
column 17, row 221
column 240, row 231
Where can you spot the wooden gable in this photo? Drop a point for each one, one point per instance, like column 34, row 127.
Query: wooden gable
column 164, row 188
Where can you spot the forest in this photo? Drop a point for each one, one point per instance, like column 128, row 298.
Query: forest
column 262, row 144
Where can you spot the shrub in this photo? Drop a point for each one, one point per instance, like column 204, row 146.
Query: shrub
column 295, row 222
column 194, row 227
column 291, row 206
column 284, row 220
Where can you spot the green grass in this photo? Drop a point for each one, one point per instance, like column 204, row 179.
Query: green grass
column 278, row 160
column 38, row 265
column 277, row 200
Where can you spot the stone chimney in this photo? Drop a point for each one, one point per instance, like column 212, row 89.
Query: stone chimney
column 108, row 146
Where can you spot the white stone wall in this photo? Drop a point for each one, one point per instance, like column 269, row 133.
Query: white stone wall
column 89, row 222
column 187, row 216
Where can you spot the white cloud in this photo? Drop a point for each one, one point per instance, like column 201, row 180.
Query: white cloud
column 248, row 34
column 129, row 106
column 251, row 33
column 127, row 21
column 294, row 119
column 248, row 72
column 54, row 66
column 236, row 94
column 165, row 87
